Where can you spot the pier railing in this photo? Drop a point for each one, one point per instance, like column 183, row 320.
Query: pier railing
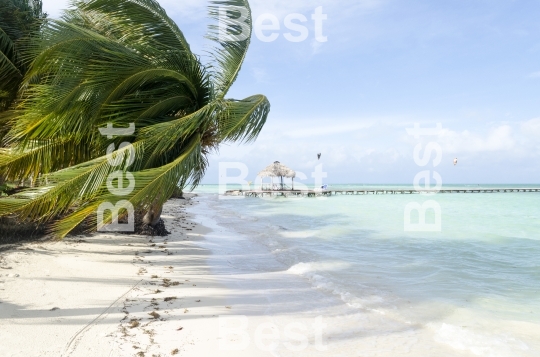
column 329, row 192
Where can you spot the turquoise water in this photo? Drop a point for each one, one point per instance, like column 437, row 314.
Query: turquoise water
column 476, row 283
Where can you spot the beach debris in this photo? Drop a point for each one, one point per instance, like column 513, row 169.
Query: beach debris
column 318, row 156
column 175, row 351
column 170, row 298
column 154, row 314
column 168, row 282
column 134, row 323
column 157, row 291
column 158, row 229
column 54, row 309
column 228, row 307
column 180, row 328
column 140, row 354
column 455, row 161
column 185, row 311
column 197, row 300
column 155, row 277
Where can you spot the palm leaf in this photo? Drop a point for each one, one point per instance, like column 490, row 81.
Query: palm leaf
column 243, row 120
column 146, row 19
column 64, row 188
column 154, row 186
column 229, row 53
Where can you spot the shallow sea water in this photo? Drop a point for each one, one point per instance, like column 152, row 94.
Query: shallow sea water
column 472, row 289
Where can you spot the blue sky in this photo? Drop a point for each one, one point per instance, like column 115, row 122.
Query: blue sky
column 472, row 65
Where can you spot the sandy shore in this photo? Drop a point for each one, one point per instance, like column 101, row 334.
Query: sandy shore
column 111, row 295
column 127, row 295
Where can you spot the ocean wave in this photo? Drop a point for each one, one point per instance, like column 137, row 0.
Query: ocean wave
column 480, row 344
column 312, row 270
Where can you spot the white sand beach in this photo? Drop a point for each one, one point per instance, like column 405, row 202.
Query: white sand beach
column 92, row 295
column 123, row 295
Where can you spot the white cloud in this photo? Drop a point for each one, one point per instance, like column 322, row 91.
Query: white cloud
column 531, row 128
column 54, row 7
column 375, row 149
column 497, row 139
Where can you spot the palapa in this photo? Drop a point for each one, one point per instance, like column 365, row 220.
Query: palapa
column 277, row 169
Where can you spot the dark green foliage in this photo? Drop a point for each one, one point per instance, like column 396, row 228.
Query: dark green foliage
column 19, row 20
column 121, row 62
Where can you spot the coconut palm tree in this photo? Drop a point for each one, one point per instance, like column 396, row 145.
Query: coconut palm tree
column 123, row 63
column 18, row 20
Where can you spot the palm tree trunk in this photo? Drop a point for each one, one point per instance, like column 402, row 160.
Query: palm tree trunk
column 153, row 215
column 178, row 193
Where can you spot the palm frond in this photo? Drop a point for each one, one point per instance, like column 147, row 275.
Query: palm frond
column 140, row 20
column 64, row 188
column 153, row 186
column 230, row 50
column 243, row 120
column 10, row 71
column 44, row 158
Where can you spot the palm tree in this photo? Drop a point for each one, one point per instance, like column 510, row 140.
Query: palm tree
column 18, row 20
column 122, row 62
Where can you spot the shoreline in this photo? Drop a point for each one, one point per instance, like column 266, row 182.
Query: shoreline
column 209, row 288
column 91, row 295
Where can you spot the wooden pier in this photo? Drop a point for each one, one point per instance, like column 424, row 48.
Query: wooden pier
column 330, row 192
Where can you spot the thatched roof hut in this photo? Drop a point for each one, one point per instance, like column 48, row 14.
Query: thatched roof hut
column 277, row 169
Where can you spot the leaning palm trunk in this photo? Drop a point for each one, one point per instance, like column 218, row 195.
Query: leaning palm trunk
column 153, row 216
column 125, row 63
